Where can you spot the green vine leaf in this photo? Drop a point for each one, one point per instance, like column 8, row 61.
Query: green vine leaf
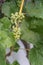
column 5, row 23
column 28, row 35
column 9, row 7
column 6, row 9
column 36, row 58
column 35, row 9
column 5, row 40
column 2, row 55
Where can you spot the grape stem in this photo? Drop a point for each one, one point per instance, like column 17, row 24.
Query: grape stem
column 21, row 7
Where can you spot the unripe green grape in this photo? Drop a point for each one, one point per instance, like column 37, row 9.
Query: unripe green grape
column 16, row 19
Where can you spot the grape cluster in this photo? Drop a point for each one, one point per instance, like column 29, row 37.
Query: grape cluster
column 16, row 19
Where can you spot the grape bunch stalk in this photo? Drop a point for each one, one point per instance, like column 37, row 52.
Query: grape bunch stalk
column 16, row 19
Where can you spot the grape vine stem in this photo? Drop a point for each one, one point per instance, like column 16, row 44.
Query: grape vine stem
column 21, row 7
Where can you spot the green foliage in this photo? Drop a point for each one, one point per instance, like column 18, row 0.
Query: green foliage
column 2, row 55
column 5, row 23
column 18, row 2
column 31, row 29
column 16, row 63
column 6, row 8
column 36, row 57
column 31, row 35
column 35, row 9
column 9, row 7
column 5, row 41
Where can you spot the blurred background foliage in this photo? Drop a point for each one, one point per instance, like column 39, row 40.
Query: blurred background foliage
column 32, row 28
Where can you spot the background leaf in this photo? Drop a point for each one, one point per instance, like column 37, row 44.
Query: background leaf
column 2, row 55
column 35, row 9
